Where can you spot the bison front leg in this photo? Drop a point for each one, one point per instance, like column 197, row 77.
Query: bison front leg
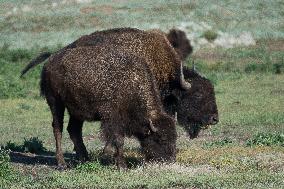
column 114, row 138
column 118, row 143
column 75, row 131
column 57, row 109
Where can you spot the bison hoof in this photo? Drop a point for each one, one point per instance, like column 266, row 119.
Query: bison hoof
column 121, row 165
column 82, row 157
column 107, row 151
column 61, row 167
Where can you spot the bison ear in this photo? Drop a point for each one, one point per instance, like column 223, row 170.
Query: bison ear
column 172, row 36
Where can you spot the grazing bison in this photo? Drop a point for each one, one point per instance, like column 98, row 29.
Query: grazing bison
column 183, row 101
column 118, row 88
column 196, row 108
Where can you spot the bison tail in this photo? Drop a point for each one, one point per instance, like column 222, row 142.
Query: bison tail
column 42, row 57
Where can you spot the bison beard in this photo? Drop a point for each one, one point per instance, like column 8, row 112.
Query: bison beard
column 92, row 84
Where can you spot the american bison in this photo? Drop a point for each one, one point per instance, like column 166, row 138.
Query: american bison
column 123, row 38
column 95, row 83
column 196, row 108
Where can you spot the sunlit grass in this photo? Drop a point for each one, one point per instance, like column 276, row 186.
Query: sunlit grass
column 244, row 150
column 32, row 23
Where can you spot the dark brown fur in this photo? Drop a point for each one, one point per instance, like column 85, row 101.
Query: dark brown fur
column 196, row 108
column 191, row 110
column 93, row 83
column 128, row 38
column 154, row 46
column 161, row 57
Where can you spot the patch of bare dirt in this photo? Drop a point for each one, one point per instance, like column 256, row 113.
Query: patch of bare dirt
column 272, row 44
column 208, row 55
column 106, row 9
column 95, row 21
column 87, row 10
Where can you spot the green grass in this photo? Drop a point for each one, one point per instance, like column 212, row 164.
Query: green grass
column 229, row 155
column 47, row 25
column 244, row 150
column 266, row 139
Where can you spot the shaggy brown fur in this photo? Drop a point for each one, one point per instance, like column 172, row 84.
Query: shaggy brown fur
column 93, row 83
column 161, row 57
column 127, row 38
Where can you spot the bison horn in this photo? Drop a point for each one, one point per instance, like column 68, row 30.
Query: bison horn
column 153, row 128
column 184, row 84
column 193, row 66
column 194, row 70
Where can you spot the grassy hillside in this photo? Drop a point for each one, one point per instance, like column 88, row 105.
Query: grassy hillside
column 244, row 150
column 32, row 23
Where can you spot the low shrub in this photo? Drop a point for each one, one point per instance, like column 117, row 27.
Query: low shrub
column 32, row 145
column 210, row 35
column 266, row 139
column 13, row 147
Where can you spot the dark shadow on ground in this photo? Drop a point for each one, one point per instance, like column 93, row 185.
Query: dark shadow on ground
column 47, row 158
column 32, row 152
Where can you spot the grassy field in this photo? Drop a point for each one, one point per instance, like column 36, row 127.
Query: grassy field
column 244, row 150
column 32, row 23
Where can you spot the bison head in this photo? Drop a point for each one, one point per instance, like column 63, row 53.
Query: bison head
column 195, row 108
column 160, row 143
column 180, row 43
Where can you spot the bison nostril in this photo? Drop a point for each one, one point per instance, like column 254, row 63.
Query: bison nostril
column 214, row 120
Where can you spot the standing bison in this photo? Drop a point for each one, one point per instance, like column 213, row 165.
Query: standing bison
column 165, row 64
column 133, row 40
column 93, row 83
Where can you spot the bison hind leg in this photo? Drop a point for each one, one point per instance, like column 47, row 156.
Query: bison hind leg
column 75, row 132
column 57, row 109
